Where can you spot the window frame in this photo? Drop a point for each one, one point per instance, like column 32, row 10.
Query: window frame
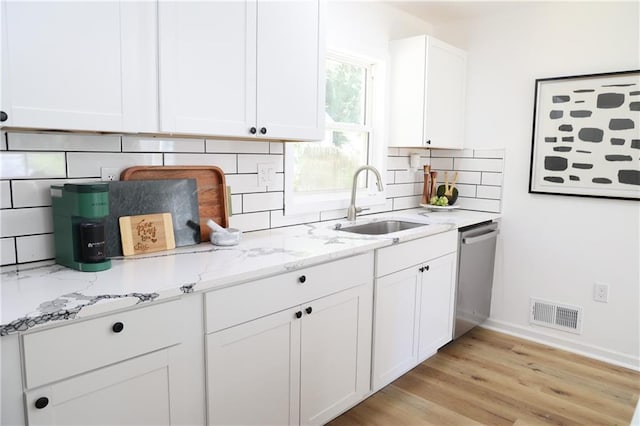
column 373, row 124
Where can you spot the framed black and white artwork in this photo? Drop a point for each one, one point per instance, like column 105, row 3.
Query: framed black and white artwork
column 586, row 136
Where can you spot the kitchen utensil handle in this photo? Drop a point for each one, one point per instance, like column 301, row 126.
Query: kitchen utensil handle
column 479, row 238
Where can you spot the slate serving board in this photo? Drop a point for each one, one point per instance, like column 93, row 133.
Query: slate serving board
column 176, row 196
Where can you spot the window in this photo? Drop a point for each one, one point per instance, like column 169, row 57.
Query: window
column 319, row 175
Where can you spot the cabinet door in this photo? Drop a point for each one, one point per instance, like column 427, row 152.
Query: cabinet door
column 89, row 66
column 445, row 95
column 437, row 305
column 134, row 392
column 253, row 372
column 395, row 336
column 406, row 97
column 336, row 348
column 207, row 67
column 290, row 103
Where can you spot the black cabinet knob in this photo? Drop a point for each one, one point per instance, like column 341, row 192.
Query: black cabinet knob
column 117, row 327
column 308, row 310
column 421, row 269
column 42, row 402
column 302, row 279
column 3, row 116
column 428, row 142
column 426, row 268
column 263, row 130
column 299, row 314
column 253, row 130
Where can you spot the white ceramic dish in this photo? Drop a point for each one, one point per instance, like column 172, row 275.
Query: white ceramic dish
column 229, row 238
column 439, row 208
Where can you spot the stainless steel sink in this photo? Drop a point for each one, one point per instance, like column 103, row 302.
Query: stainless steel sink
column 382, row 227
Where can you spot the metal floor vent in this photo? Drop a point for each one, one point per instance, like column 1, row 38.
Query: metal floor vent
column 555, row 315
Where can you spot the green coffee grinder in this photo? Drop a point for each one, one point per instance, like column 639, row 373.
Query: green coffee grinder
column 79, row 215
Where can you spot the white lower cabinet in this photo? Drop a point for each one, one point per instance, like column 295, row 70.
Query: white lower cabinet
column 414, row 306
column 132, row 367
column 301, row 365
column 135, row 392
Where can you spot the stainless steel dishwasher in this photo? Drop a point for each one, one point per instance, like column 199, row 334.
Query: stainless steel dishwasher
column 476, row 255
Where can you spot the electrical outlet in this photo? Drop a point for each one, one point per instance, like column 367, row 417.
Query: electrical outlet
column 601, row 292
column 109, row 173
column 266, row 174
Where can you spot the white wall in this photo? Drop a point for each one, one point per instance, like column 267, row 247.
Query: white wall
column 554, row 247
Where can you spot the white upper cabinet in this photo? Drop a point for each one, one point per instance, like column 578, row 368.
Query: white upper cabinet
column 80, row 65
column 242, row 68
column 427, row 93
column 207, row 67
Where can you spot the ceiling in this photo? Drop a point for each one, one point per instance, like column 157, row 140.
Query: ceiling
column 436, row 12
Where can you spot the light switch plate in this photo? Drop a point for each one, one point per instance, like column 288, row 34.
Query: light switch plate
column 266, row 174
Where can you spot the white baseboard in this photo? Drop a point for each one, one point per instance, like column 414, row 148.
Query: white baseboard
column 595, row 352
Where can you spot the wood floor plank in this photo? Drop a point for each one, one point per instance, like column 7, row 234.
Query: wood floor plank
column 486, row 377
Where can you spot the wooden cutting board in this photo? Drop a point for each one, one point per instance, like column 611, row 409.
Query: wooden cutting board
column 211, row 187
column 146, row 233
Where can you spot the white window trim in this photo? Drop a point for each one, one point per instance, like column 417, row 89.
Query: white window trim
column 376, row 114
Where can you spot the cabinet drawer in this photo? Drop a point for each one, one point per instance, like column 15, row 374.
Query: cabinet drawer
column 400, row 256
column 241, row 303
column 54, row 354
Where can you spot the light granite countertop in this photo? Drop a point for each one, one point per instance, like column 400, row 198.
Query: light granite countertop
column 32, row 296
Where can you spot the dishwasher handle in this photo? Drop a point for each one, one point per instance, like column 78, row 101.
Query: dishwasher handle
column 478, row 238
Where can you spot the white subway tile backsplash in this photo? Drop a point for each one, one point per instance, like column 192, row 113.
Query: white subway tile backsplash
column 491, row 178
column 469, row 177
column 5, row 194
column 161, row 144
column 397, row 163
column 278, row 183
column 403, row 190
column 37, row 193
column 451, row 153
column 247, row 147
column 442, row 164
column 406, row 202
column 16, row 222
column 466, row 190
column 409, row 176
column 480, row 204
column 32, row 165
column 85, row 164
column 488, row 153
column 227, row 162
column 250, row 221
column 244, row 183
column 276, row 147
column 262, row 201
column 35, row 247
column 249, row 183
column 7, row 251
column 249, row 163
column 236, row 204
column 390, row 177
column 62, row 142
column 278, row 218
column 493, row 192
column 478, row 164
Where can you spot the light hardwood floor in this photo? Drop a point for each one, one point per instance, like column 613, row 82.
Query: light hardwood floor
column 491, row 378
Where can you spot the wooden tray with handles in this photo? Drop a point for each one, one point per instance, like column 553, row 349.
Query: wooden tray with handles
column 211, row 187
